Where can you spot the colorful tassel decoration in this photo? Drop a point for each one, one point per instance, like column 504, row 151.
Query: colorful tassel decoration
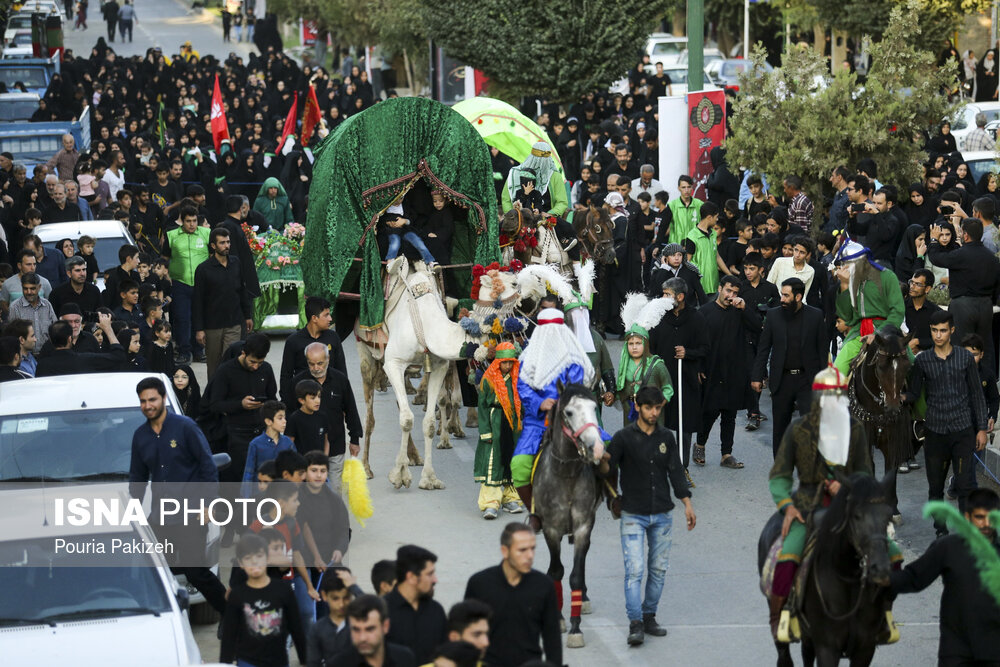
column 355, row 484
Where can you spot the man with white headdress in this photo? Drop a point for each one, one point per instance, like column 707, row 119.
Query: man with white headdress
column 824, row 444
column 869, row 297
column 553, row 356
column 549, row 181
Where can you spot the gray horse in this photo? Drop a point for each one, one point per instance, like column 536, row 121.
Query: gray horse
column 567, row 491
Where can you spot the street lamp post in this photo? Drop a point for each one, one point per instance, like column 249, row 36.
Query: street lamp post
column 696, row 44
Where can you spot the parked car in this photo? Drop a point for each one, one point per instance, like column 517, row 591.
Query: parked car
column 76, row 429
column 981, row 163
column 727, row 72
column 17, row 106
column 62, row 608
column 19, row 46
column 36, row 143
column 665, row 48
column 679, row 79
column 109, row 234
column 17, row 23
column 34, row 73
column 48, row 7
column 964, row 120
column 709, row 55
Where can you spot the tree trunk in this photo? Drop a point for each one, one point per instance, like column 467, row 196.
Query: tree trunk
column 838, row 50
column 409, row 74
column 819, row 38
column 680, row 22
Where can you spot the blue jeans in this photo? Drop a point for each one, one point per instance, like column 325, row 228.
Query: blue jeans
column 307, row 606
column 414, row 240
column 180, row 318
column 635, row 530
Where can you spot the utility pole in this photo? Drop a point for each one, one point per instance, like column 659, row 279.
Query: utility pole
column 746, row 29
column 696, row 44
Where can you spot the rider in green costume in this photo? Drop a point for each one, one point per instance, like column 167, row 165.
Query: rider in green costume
column 869, row 295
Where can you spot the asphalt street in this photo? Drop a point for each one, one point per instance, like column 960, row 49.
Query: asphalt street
column 711, row 604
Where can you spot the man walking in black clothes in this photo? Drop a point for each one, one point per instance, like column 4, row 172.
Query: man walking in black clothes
column 239, row 246
column 110, row 13
column 758, row 293
column 368, row 619
column 794, row 342
column 317, row 330
column 416, row 619
column 64, row 360
column 956, row 417
column 77, row 289
column 973, row 279
column 682, row 334
column 236, row 392
column 919, row 310
column 726, row 387
column 169, row 449
column 970, row 611
column 221, row 303
column 523, row 601
column 336, row 403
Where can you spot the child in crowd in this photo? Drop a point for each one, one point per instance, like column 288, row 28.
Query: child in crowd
column 399, row 229
column 331, row 633
column 260, row 614
column 130, row 340
column 85, row 248
column 307, row 426
column 384, row 577
column 160, row 353
column 290, row 466
column 152, row 313
column 268, row 444
column 326, row 528
column 758, row 198
column 266, row 473
column 161, row 274
column 527, row 196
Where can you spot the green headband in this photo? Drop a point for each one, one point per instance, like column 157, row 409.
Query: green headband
column 506, row 354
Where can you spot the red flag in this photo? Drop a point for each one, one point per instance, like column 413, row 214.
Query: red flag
column 311, row 116
column 289, row 122
column 220, row 129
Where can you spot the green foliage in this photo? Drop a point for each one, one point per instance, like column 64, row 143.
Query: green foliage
column 560, row 50
column 784, row 123
column 937, row 18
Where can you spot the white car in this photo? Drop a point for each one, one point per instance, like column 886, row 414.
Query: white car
column 981, row 163
column 109, row 234
column 19, row 46
column 77, row 429
column 964, row 121
column 43, row 7
column 17, row 23
column 709, row 56
column 62, row 608
column 679, row 79
column 665, row 48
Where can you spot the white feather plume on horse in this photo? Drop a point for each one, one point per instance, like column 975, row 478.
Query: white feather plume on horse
column 531, row 282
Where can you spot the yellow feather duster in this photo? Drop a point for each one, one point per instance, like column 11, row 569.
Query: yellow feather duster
column 355, row 484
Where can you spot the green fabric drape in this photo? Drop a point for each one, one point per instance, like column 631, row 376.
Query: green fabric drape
column 365, row 164
column 267, row 303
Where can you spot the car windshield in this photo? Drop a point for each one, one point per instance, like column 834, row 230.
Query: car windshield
column 31, row 77
column 19, row 22
column 34, row 149
column 105, row 252
column 681, row 76
column 68, row 445
column 17, row 109
column 62, row 591
column 980, row 167
column 667, row 48
column 21, row 39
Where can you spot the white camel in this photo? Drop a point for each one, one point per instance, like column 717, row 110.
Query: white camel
column 419, row 332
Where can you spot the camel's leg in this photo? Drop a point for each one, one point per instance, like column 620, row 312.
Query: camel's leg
column 421, row 393
column 381, row 381
column 400, row 474
column 453, row 403
column 428, row 480
column 370, row 369
column 411, row 452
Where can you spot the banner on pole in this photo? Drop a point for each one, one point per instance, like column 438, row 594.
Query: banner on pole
column 707, row 129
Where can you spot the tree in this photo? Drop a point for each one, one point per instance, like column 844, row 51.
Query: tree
column 560, row 50
column 938, row 19
column 784, row 122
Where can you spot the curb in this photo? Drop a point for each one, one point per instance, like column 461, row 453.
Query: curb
column 991, row 460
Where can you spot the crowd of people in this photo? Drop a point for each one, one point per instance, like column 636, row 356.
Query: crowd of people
column 742, row 288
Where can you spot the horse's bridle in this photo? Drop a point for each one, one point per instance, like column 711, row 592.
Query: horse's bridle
column 574, row 437
column 592, row 238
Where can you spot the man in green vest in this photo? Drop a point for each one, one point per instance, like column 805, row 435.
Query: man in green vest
column 683, row 210
column 703, row 249
column 869, row 297
column 187, row 247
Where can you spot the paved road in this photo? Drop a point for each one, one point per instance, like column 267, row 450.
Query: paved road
column 711, row 602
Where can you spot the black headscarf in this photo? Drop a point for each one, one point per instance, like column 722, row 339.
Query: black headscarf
column 924, row 214
column 906, row 257
column 190, row 397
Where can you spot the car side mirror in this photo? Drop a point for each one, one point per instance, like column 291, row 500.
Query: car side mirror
column 221, row 460
column 183, row 599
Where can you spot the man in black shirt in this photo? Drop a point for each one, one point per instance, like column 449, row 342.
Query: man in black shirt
column 523, row 602
column 77, row 290
column 128, row 258
column 369, row 622
column 336, row 404
column 239, row 245
column 970, row 612
column 919, row 310
column 973, row 279
column 221, row 303
column 793, row 340
column 235, row 393
column 60, row 210
column 760, row 296
column 317, row 330
column 647, row 456
column 66, row 361
column 10, row 359
column 417, row 620
column 82, row 341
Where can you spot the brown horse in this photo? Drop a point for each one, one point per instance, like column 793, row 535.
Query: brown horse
column 593, row 229
column 878, row 376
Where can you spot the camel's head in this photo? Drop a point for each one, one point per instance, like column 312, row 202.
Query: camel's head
column 497, row 284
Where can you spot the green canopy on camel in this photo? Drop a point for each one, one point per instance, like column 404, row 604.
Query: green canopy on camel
column 365, row 165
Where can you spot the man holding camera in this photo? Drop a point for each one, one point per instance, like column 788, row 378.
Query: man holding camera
column 973, row 279
column 861, row 210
